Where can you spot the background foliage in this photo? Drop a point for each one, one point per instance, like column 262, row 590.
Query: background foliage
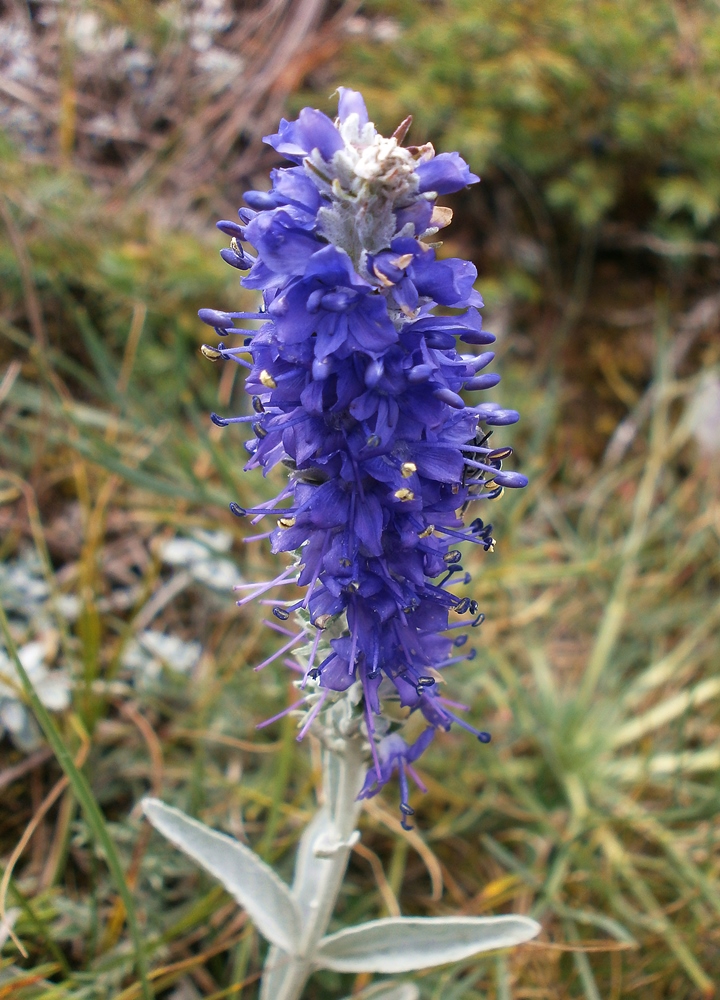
column 611, row 108
column 594, row 127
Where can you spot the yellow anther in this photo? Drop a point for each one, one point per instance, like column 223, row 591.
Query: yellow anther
column 407, row 469
column 430, row 530
column 441, row 217
column 211, row 353
column 382, row 278
column 286, row 522
column 404, row 494
column 403, row 261
column 267, row 380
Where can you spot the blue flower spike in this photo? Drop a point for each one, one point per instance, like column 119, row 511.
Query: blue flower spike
column 361, row 385
column 364, row 391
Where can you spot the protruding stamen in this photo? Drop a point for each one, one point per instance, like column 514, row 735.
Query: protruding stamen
column 313, row 715
column 224, row 421
column 277, row 628
column 311, row 658
column 262, row 588
column 405, row 808
column 280, row 715
column 416, row 778
column 280, row 652
column 256, row 538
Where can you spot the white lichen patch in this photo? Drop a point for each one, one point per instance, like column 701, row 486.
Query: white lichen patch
column 52, row 687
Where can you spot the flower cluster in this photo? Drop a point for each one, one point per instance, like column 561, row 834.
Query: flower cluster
column 356, row 387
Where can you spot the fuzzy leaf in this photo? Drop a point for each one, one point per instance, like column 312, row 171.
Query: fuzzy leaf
column 388, row 991
column 404, row 944
column 254, row 884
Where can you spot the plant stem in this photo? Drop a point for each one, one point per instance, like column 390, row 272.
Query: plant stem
column 321, row 862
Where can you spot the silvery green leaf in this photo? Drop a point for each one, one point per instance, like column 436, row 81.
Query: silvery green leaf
column 388, row 991
column 404, row 944
column 254, row 884
column 274, row 971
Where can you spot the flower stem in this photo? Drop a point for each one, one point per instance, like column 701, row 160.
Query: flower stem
column 322, row 859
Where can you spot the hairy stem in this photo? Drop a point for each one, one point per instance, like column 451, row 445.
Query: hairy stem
column 322, row 859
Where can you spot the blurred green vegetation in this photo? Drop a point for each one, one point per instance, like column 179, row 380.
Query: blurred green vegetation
column 611, row 107
column 595, row 806
column 594, row 127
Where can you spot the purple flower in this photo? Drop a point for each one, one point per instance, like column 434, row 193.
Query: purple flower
column 333, row 306
column 358, row 388
column 393, row 754
column 312, row 131
column 445, row 173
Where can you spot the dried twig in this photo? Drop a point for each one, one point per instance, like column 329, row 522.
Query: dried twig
column 37, row 759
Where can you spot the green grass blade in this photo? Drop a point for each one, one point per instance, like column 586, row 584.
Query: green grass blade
column 145, row 480
column 40, row 926
column 87, row 800
column 582, row 965
column 502, row 978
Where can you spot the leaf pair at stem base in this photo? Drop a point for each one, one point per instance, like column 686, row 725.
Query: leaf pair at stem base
column 391, row 945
